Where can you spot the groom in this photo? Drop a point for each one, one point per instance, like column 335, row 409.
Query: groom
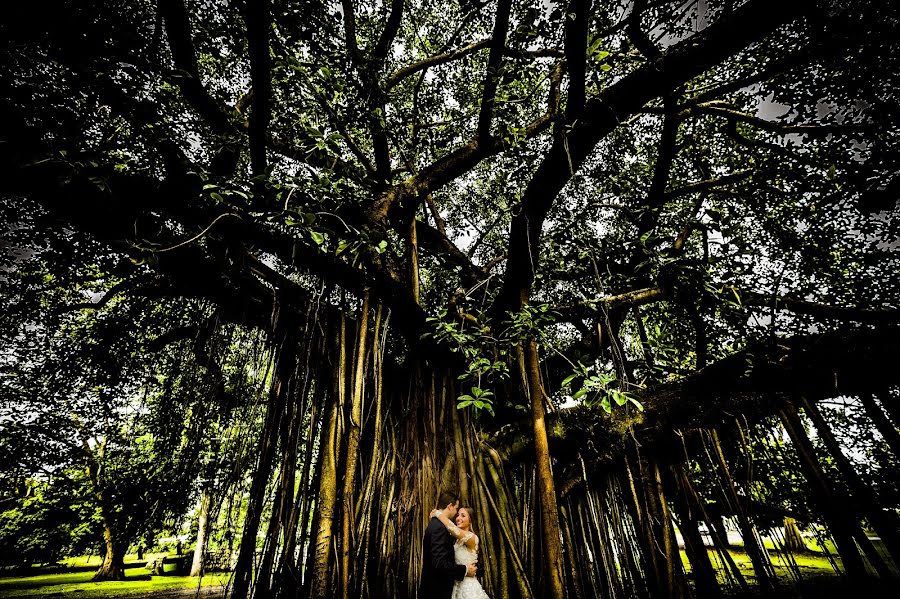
column 439, row 569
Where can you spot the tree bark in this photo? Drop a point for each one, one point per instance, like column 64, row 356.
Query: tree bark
column 284, row 369
column 842, row 528
column 793, row 540
column 553, row 563
column 327, row 495
column 113, row 566
column 202, row 522
column 755, row 550
column 353, row 443
column 702, row 570
column 885, row 522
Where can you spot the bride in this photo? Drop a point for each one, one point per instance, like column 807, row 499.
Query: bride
column 465, row 550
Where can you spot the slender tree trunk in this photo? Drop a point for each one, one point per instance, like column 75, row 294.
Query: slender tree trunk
column 296, row 528
column 506, row 518
column 553, row 560
column 459, row 451
column 670, row 572
column 202, row 523
column 716, row 529
column 884, row 426
column 353, row 444
column 636, row 502
column 755, row 549
column 413, row 259
column 377, row 463
column 793, row 540
column 575, row 576
column 885, row 522
column 266, row 449
column 702, row 570
column 841, row 526
column 264, row 571
column 327, row 495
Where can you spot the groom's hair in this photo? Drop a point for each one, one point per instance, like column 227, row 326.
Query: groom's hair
column 446, row 498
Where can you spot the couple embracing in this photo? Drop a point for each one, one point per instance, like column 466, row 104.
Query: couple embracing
column 450, row 553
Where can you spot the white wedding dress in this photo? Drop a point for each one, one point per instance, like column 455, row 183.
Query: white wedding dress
column 468, row 587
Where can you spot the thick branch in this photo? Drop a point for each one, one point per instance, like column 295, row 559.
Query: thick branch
column 636, row 33
column 258, row 25
column 576, row 33
column 451, row 55
column 492, row 77
column 441, row 246
column 390, row 32
column 819, row 310
column 104, row 299
column 350, row 31
column 459, row 161
column 665, row 157
column 754, row 383
column 748, row 24
column 178, row 32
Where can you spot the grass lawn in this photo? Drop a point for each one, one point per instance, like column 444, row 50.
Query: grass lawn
column 137, row 583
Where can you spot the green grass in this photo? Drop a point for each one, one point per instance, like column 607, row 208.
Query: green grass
column 138, row 582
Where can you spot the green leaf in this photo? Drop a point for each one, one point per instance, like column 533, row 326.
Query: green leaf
column 569, row 379
column 317, row 237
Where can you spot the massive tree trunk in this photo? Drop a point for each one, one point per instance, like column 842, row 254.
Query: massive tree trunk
column 113, row 566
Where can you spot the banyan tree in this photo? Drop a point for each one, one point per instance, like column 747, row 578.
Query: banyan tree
column 594, row 265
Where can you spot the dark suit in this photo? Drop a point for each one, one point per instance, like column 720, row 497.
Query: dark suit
column 439, row 568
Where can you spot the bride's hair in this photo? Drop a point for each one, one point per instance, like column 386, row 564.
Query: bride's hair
column 471, row 513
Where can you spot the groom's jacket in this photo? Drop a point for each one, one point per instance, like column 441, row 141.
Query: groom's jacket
column 439, row 568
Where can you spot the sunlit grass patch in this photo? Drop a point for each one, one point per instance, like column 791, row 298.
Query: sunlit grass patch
column 137, row 582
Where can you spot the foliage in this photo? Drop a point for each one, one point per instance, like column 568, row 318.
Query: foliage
column 43, row 521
